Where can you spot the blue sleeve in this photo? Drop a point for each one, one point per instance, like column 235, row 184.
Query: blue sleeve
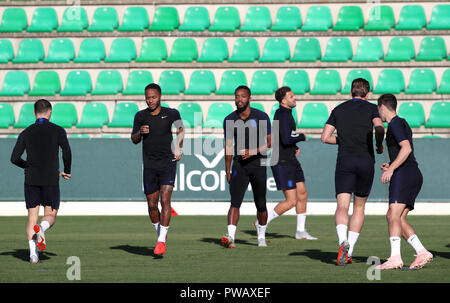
column 332, row 119
column 176, row 119
column 286, row 136
column 136, row 124
column 375, row 113
column 19, row 148
column 398, row 130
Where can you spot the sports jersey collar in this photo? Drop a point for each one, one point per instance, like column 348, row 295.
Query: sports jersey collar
column 285, row 108
column 41, row 121
column 358, row 99
column 394, row 119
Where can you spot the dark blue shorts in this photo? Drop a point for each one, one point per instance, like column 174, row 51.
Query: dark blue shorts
column 405, row 185
column 287, row 175
column 154, row 178
column 42, row 195
column 354, row 175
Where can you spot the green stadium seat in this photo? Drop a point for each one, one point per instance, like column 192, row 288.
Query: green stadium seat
column 245, row 50
column 202, row 82
column 277, row 106
column 78, row 83
column 275, row 50
column 381, row 18
column 46, row 83
column 105, row 19
column 421, row 81
column 231, row 79
column 369, row 49
column 314, row 115
column 80, row 136
column 413, row 113
column 226, row 19
column 318, row 18
column 258, row 106
column 400, row 49
column 339, row 49
column 327, row 82
column 297, row 80
column 171, row 82
column 30, row 51
column 60, row 51
column 288, row 18
column 439, row 115
column 390, row 81
column 74, row 19
column 12, row 136
column 94, row 115
column 257, row 19
column 44, row 20
column 214, row 50
column 412, row 17
column 122, row 50
column 137, row 81
column 135, row 18
column 165, row 19
column 123, row 115
column 431, row 137
column 110, row 137
column 264, row 82
column 432, row 49
column 216, row 114
column 153, row 50
column 196, row 18
column 26, row 116
column 306, row 50
column 92, row 50
column 192, row 114
column 64, row 114
column 109, row 82
column 355, row 74
column 6, row 51
column 183, row 50
column 15, row 83
column 14, row 19
column 439, row 17
column 350, row 18
column 6, row 115
column 444, row 87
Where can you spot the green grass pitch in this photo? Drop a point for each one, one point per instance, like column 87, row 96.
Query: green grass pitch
column 120, row 249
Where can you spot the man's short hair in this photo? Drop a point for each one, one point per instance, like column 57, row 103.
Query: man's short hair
column 281, row 93
column 153, row 86
column 244, row 87
column 360, row 87
column 42, row 106
column 389, row 101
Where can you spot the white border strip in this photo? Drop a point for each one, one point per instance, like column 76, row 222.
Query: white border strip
column 128, row 208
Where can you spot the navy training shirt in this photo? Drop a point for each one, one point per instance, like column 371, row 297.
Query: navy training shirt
column 399, row 130
column 288, row 137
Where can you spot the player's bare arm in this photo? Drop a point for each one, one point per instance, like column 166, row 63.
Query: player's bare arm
column 327, row 135
column 379, row 134
column 405, row 150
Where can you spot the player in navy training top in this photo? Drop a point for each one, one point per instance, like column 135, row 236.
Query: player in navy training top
column 248, row 129
column 42, row 141
column 354, row 121
column 405, row 178
column 287, row 170
column 153, row 126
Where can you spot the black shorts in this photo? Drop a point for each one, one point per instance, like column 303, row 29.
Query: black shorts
column 288, row 174
column 42, row 195
column 241, row 176
column 154, row 178
column 405, row 185
column 354, row 175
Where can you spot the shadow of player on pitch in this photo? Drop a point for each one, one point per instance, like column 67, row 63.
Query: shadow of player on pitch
column 268, row 235
column 24, row 254
column 138, row 250
column 324, row 256
column 219, row 242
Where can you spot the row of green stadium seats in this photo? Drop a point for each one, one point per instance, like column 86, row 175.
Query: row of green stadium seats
column 338, row 49
column 197, row 18
column 95, row 115
column 203, row 82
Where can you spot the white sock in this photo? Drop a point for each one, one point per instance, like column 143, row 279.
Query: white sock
column 341, row 230
column 301, row 220
column 272, row 215
column 32, row 246
column 352, row 238
column 232, row 231
column 415, row 243
column 162, row 233
column 261, row 231
column 156, row 226
column 395, row 245
column 44, row 225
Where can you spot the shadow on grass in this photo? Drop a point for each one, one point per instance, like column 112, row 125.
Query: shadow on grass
column 441, row 254
column 138, row 250
column 268, row 235
column 218, row 241
column 325, row 256
column 24, row 254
